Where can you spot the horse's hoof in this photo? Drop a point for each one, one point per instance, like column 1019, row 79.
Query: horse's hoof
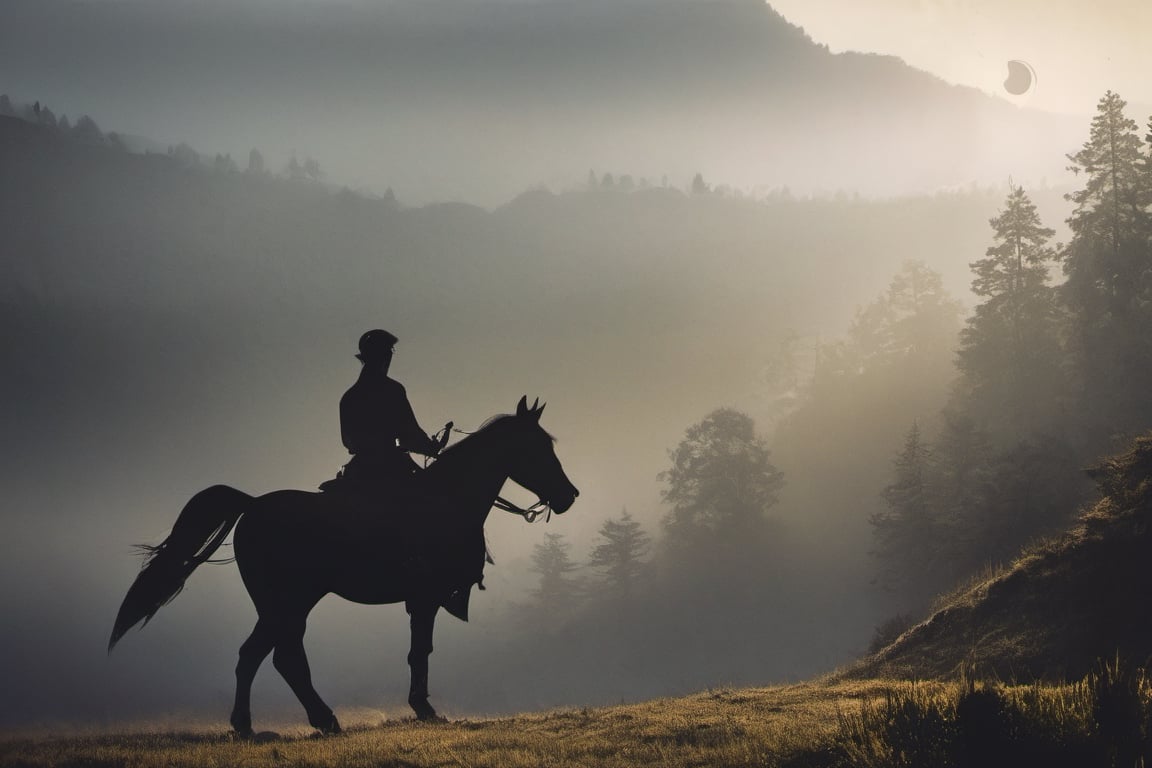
column 328, row 725
column 423, row 710
column 242, row 727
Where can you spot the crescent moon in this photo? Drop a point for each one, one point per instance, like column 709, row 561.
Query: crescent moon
column 1021, row 77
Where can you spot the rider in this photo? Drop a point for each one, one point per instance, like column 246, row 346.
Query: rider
column 377, row 424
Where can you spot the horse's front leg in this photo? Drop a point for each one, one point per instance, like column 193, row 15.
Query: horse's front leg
column 423, row 618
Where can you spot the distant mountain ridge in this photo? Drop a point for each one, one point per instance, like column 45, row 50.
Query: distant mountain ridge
column 479, row 100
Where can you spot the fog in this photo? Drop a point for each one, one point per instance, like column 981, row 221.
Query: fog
column 168, row 326
column 453, row 100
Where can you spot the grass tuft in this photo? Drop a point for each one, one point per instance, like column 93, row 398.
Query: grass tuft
column 1103, row 719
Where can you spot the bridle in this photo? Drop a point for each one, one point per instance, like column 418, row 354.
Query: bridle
column 530, row 514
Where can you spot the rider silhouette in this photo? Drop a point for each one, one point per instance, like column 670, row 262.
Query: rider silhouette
column 377, row 424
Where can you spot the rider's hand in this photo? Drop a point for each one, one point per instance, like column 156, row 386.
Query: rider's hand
column 441, row 441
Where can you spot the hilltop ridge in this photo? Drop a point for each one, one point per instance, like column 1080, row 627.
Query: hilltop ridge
column 1064, row 605
column 513, row 94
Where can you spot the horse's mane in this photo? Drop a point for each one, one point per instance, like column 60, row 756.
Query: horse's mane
column 492, row 425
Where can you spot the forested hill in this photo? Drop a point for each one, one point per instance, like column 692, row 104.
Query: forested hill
column 1063, row 607
column 108, row 254
column 177, row 228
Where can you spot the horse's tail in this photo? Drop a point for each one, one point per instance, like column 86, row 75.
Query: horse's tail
column 204, row 523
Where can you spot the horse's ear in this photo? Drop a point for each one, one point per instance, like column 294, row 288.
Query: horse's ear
column 539, row 411
column 522, row 406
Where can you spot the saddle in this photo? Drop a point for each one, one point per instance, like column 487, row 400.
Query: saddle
column 444, row 562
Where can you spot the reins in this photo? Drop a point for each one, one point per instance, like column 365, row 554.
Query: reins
column 530, row 514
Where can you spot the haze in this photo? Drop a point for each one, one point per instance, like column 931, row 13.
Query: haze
column 173, row 321
column 515, row 94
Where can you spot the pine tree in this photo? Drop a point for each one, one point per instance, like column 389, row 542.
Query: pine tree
column 1035, row 488
column 1112, row 206
column 906, row 534
column 1146, row 165
column 557, row 590
column 183, row 154
column 1017, row 265
column 294, row 170
column 913, row 325
column 620, row 553
column 224, row 164
column 255, row 162
column 923, row 312
column 87, row 131
column 311, row 168
column 961, row 494
column 1009, row 352
column 1108, row 264
column 46, row 118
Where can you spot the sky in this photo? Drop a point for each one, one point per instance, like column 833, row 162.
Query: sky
column 1077, row 49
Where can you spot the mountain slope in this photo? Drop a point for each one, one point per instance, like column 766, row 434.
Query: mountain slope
column 478, row 100
column 1061, row 608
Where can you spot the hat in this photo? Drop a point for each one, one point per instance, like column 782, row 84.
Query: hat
column 376, row 345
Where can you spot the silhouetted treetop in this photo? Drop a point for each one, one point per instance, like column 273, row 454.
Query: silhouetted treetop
column 620, row 553
column 721, row 479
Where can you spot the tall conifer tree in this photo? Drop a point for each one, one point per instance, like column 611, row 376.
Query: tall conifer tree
column 557, row 589
column 619, row 555
column 906, row 534
column 1109, row 269
column 1009, row 352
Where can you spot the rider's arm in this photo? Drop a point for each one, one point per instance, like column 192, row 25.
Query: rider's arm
column 412, row 437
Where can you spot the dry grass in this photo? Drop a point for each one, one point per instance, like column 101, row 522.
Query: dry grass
column 718, row 728
column 1102, row 719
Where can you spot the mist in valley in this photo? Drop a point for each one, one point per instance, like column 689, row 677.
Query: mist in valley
column 476, row 102
column 644, row 214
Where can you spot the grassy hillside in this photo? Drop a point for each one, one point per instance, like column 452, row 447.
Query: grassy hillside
column 1102, row 720
column 1062, row 606
column 718, row 728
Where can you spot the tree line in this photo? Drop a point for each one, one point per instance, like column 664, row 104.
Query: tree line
column 1042, row 377
column 1049, row 376
column 86, row 131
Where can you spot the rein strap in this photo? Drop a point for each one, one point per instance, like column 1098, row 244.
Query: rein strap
column 530, row 515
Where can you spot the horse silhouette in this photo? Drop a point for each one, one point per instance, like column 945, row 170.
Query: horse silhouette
column 294, row 547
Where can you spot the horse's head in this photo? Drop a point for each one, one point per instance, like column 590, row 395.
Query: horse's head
column 534, row 462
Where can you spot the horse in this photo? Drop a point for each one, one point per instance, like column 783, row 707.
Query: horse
column 294, row 547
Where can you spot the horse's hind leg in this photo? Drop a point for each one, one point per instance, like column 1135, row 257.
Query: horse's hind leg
column 252, row 653
column 422, row 622
column 292, row 664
